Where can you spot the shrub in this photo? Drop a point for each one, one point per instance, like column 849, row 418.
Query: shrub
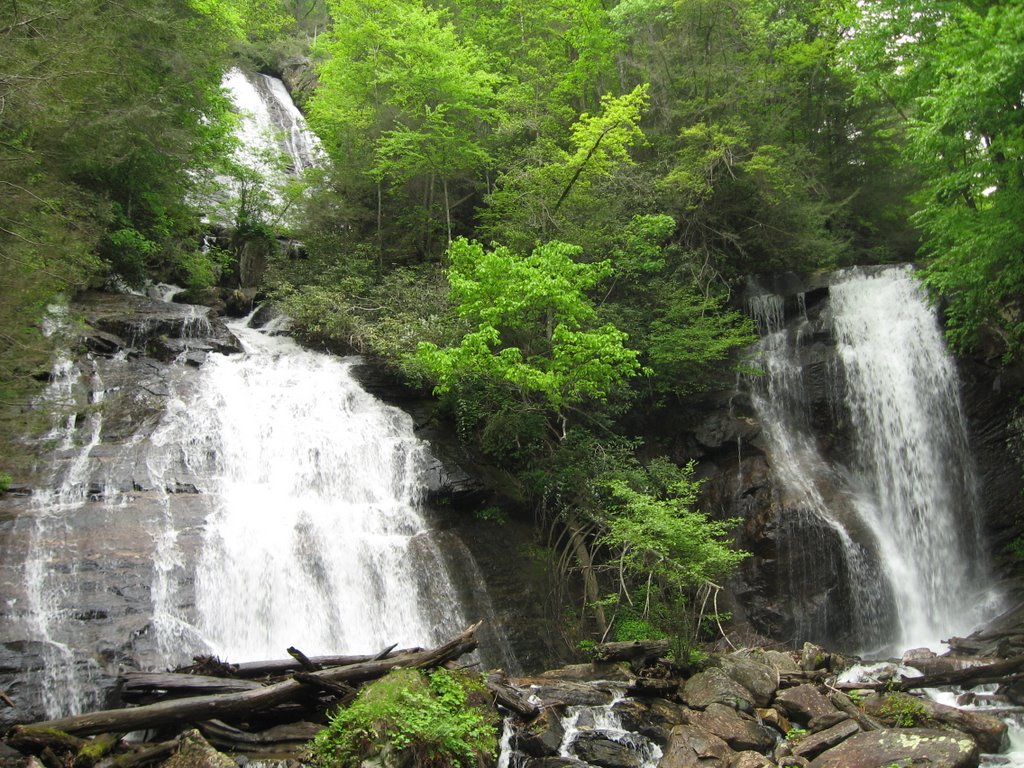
column 442, row 718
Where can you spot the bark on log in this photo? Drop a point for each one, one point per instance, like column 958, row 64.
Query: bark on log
column 147, row 754
column 643, row 651
column 220, row 706
column 33, row 738
column 965, row 678
column 283, row 737
column 275, row 667
column 135, row 684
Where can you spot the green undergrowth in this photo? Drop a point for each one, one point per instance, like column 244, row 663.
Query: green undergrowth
column 439, row 719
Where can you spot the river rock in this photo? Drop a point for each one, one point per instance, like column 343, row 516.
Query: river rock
column 901, row 747
column 597, row 749
column 813, row 745
column 715, row 687
column 654, row 718
column 554, row 762
column 803, row 704
column 588, row 673
column 760, row 679
column 690, row 747
column 751, row 760
column 542, row 737
column 988, row 731
column 739, row 730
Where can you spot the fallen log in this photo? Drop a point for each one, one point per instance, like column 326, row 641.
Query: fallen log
column 282, row 738
column 134, row 684
column 969, row 677
column 511, row 699
column 220, row 706
column 28, row 738
column 639, row 651
column 277, row 667
column 143, row 756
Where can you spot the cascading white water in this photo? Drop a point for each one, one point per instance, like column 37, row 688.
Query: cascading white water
column 904, row 515
column 813, row 541
column 272, row 126
column 316, row 539
column 275, row 503
column 913, row 482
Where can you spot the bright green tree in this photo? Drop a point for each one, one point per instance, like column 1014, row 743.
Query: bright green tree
column 532, row 329
column 953, row 70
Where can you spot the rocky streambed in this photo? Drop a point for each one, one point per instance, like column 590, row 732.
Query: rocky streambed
column 752, row 709
column 631, row 708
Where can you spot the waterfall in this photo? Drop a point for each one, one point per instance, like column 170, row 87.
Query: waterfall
column 272, row 125
column 894, row 523
column 814, row 543
column 266, row 501
column 913, row 476
column 317, row 538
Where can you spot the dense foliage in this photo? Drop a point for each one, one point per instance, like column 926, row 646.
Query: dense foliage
column 442, row 719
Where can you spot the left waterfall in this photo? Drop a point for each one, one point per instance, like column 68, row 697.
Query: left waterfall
column 192, row 502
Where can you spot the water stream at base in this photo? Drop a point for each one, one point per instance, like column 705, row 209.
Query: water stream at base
column 903, row 515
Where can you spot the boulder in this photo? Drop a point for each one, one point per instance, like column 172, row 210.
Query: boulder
column 715, row 687
column 988, row 731
column 588, row 673
column 690, row 747
column 739, row 730
column 901, row 747
column 761, row 679
column 542, row 737
column 803, row 704
column 751, row 760
column 554, row 762
column 596, row 748
column 654, row 718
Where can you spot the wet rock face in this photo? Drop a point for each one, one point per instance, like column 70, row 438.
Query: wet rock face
column 131, row 491
column 126, row 492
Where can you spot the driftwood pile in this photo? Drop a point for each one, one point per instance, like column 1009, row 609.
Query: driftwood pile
column 267, row 710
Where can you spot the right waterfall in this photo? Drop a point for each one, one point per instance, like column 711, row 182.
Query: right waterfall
column 889, row 501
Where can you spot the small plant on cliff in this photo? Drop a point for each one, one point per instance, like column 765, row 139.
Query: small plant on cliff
column 5, row 482
column 442, row 718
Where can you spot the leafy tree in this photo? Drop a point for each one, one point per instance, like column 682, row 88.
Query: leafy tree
column 559, row 189
column 532, row 329
column 403, row 100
